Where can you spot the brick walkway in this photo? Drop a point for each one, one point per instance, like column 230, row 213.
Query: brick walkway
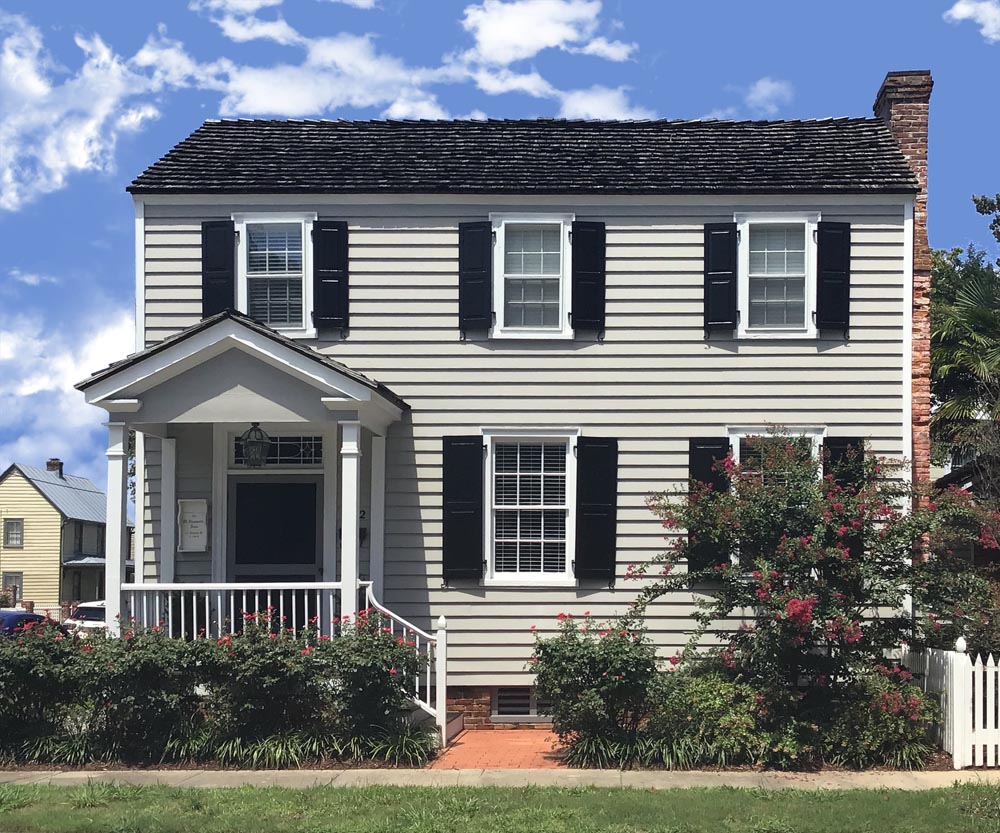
column 508, row 749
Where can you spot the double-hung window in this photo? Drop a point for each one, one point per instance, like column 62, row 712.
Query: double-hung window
column 530, row 488
column 13, row 532
column 761, row 453
column 532, row 262
column 777, row 292
column 275, row 284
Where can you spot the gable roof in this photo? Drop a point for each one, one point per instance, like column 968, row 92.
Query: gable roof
column 256, row 327
column 544, row 156
column 75, row 497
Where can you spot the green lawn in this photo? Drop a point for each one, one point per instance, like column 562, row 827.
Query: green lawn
column 122, row 809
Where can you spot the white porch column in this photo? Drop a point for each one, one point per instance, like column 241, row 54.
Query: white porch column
column 139, row 533
column 168, row 508
column 350, row 477
column 116, row 536
column 376, row 548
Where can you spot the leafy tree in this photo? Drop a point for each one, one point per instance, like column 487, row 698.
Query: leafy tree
column 801, row 578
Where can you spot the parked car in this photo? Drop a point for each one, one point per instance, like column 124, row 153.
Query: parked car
column 87, row 617
column 12, row 621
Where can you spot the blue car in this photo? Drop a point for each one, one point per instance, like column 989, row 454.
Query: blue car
column 11, row 621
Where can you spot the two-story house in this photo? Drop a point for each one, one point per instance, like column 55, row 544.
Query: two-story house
column 452, row 358
column 51, row 536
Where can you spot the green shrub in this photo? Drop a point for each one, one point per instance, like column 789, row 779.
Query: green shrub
column 599, row 680
column 882, row 721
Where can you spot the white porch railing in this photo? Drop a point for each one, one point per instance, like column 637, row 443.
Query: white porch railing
column 429, row 688
column 968, row 688
column 211, row 609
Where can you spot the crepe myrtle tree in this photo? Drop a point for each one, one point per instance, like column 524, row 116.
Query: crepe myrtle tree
column 801, row 567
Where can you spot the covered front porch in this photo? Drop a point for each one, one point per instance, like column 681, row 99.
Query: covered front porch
column 285, row 522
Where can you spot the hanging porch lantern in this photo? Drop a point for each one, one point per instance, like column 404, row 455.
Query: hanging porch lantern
column 256, row 444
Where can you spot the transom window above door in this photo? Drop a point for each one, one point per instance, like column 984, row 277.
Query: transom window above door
column 286, row 450
column 274, row 281
column 531, row 253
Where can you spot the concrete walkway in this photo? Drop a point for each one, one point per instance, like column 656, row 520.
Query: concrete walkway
column 563, row 777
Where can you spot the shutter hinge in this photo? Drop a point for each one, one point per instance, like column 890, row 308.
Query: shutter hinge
column 493, row 236
column 739, row 236
column 236, row 236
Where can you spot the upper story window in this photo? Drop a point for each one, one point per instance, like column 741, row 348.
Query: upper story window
column 13, row 532
column 777, row 254
column 274, row 285
column 532, row 258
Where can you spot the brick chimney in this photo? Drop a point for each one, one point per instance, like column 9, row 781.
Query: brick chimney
column 54, row 464
column 903, row 103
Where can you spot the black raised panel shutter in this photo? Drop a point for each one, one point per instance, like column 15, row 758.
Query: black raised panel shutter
column 833, row 277
column 589, row 275
column 720, row 277
column 462, row 475
column 596, row 508
column 475, row 276
column 331, row 292
column 703, row 454
column 844, row 458
column 218, row 266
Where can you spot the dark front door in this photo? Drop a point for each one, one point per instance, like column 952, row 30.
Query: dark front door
column 275, row 534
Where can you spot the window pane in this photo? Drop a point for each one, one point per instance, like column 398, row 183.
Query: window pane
column 275, row 301
column 777, row 248
column 526, row 477
column 274, row 248
column 531, row 302
column 777, row 302
column 532, row 249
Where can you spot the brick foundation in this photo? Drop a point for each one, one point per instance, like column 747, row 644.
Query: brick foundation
column 903, row 103
column 475, row 703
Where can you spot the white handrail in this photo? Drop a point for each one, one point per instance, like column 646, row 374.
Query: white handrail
column 373, row 602
column 233, row 585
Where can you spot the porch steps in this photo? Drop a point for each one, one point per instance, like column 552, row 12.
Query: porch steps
column 454, row 724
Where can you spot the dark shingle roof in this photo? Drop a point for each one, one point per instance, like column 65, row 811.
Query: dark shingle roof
column 848, row 155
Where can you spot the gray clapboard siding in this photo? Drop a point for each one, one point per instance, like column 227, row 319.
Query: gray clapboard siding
column 653, row 382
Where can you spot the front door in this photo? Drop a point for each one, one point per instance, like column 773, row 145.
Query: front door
column 274, row 530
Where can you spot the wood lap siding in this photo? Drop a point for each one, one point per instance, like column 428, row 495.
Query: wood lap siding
column 39, row 559
column 653, row 383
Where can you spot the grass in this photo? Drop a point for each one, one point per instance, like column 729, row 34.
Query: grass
column 99, row 808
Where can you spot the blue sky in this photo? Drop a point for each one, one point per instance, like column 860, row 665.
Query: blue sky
column 91, row 93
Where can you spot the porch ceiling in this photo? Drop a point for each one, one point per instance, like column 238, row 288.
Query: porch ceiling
column 230, row 368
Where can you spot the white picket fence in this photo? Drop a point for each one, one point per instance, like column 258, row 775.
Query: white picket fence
column 969, row 691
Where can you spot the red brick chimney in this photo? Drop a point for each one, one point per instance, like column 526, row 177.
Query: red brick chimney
column 903, row 103
column 54, row 464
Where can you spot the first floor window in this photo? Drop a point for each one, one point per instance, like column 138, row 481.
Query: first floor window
column 13, row 532
column 769, row 456
column 275, row 274
column 530, row 506
column 13, row 584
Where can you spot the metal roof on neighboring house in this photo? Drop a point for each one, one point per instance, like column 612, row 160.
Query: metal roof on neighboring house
column 532, row 156
column 76, row 497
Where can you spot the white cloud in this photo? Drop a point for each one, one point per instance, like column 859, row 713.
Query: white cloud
column 767, row 95
column 29, row 278
column 986, row 13
column 358, row 4
column 498, row 81
column 415, row 104
column 50, row 130
column 41, row 415
column 614, row 50
column 506, row 32
column 601, row 103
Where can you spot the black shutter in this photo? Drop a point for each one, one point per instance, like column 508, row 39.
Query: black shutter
column 331, row 297
column 589, row 272
column 462, row 477
column 720, row 276
column 833, row 277
column 844, row 458
column 703, row 454
column 475, row 276
column 596, row 508
column 702, row 457
column 218, row 266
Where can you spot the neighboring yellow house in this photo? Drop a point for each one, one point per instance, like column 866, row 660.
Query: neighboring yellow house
column 51, row 536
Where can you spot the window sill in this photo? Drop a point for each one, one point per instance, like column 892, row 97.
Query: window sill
column 532, row 335
column 294, row 332
column 524, row 582
column 777, row 335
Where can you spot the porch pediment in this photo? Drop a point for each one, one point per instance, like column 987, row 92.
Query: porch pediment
column 231, row 368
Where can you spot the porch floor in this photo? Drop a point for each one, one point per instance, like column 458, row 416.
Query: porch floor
column 501, row 749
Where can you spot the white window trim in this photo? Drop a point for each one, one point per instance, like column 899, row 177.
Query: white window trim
column 815, row 433
column 306, row 218
column 743, row 222
column 565, row 330
column 541, row 434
